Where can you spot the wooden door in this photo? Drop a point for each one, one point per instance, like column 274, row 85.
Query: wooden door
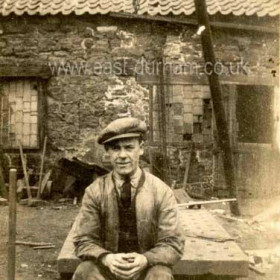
column 254, row 127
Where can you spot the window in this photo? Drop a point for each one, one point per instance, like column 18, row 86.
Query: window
column 254, row 114
column 19, row 113
column 188, row 113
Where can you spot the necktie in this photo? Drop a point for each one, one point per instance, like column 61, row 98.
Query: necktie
column 126, row 193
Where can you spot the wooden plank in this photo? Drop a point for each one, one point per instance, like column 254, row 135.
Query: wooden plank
column 202, row 253
column 189, row 21
column 24, row 71
column 203, row 202
column 44, row 247
column 252, row 79
column 30, row 243
column 67, row 261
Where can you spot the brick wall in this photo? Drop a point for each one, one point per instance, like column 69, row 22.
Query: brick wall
column 82, row 96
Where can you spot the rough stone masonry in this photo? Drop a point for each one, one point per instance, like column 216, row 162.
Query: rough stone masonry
column 82, row 94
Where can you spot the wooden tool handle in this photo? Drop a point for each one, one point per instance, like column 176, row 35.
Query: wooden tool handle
column 25, row 172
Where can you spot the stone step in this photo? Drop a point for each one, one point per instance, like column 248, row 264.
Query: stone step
column 208, row 249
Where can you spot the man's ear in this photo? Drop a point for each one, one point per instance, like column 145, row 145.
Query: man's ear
column 141, row 148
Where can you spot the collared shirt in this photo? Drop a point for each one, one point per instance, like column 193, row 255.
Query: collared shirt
column 134, row 180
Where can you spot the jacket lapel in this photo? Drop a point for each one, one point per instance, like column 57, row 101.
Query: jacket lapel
column 111, row 214
column 145, row 213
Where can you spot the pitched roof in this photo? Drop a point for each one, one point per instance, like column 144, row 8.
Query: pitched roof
column 151, row 7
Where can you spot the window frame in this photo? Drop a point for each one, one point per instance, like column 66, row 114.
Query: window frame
column 153, row 93
column 41, row 82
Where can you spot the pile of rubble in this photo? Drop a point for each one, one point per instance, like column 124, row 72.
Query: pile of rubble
column 258, row 236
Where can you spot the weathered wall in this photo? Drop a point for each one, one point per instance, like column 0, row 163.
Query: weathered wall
column 82, row 95
column 81, row 101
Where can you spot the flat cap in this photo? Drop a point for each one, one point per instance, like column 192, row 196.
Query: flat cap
column 122, row 128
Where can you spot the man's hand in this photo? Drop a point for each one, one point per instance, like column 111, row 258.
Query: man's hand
column 110, row 260
column 125, row 266
column 113, row 261
column 136, row 264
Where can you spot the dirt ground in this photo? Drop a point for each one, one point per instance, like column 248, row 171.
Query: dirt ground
column 48, row 224
column 51, row 224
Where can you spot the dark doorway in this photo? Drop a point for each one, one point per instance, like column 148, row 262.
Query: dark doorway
column 254, row 114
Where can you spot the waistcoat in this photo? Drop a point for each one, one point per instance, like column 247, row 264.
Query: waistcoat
column 128, row 239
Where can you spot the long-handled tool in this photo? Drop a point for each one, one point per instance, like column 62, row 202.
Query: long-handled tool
column 25, row 173
column 203, row 202
column 42, row 168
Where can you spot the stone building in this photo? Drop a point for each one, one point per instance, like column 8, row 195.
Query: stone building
column 68, row 67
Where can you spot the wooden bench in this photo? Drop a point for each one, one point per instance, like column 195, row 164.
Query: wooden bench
column 209, row 250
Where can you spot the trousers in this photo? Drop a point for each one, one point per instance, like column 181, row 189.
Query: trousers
column 89, row 270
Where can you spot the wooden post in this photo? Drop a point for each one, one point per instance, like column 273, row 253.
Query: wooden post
column 216, row 95
column 151, row 126
column 42, row 168
column 162, row 122
column 186, row 174
column 12, row 225
column 3, row 190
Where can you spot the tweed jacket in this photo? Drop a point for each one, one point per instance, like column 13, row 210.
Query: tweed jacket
column 159, row 233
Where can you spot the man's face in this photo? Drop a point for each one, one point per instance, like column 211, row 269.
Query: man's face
column 124, row 155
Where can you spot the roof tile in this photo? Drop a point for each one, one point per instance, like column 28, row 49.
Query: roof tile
column 151, row 7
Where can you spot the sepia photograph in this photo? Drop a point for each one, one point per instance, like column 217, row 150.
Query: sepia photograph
column 139, row 140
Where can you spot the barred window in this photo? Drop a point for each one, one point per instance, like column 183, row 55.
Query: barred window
column 19, row 113
column 188, row 113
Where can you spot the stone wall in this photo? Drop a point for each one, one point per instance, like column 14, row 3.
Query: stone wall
column 93, row 63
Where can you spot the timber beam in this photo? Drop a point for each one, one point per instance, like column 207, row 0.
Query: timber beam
column 189, row 21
